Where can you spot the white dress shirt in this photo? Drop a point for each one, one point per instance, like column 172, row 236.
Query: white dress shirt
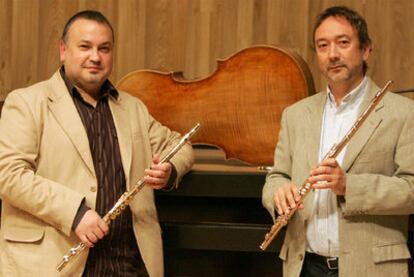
column 322, row 231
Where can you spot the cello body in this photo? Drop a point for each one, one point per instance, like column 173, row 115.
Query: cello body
column 239, row 105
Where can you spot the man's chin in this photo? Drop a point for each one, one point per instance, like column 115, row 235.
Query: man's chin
column 95, row 79
column 338, row 77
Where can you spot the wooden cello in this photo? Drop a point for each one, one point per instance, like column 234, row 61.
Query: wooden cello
column 239, row 106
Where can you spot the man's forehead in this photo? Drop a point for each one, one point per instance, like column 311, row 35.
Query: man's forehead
column 87, row 25
column 334, row 27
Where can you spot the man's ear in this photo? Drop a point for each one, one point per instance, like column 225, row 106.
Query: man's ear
column 62, row 51
column 366, row 50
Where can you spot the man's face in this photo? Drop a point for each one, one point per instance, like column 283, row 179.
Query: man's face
column 87, row 54
column 338, row 50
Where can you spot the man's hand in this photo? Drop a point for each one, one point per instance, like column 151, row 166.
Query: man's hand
column 286, row 198
column 328, row 175
column 91, row 228
column 158, row 174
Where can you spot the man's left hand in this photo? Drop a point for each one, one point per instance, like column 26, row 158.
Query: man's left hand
column 328, row 175
column 157, row 175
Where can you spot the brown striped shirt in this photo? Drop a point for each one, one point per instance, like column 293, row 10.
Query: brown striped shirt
column 117, row 253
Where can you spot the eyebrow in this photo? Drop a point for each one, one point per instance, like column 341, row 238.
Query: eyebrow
column 106, row 43
column 342, row 36
column 335, row 38
column 89, row 42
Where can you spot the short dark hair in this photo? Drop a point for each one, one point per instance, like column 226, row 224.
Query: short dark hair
column 89, row 15
column 354, row 18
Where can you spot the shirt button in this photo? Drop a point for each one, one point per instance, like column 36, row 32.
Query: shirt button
column 92, row 188
column 300, row 257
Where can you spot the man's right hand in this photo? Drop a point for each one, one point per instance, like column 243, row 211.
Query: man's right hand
column 91, row 228
column 286, row 198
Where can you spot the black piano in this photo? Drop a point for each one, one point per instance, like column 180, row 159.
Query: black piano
column 214, row 223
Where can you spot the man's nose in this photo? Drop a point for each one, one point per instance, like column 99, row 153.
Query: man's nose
column 95, row 57
column 333, row 53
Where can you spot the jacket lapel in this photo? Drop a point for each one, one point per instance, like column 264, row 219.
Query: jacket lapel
column 120, row 116
column 362, row 135
column 313, row 136
column 313, row 127
column 62, row 107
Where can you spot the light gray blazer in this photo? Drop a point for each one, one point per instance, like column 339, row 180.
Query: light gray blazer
column 379, row 166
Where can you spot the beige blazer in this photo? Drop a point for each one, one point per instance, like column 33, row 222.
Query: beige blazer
column 379, row 166
column 46, row 170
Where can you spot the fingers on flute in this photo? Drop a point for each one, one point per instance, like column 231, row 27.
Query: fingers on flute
column 92, row 238
column 286, row 198
column 277, row 203
column 103, row 227
column 85, row 240
column 99, row 234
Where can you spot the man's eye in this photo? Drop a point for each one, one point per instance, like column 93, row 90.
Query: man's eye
column 83, row 46
column 105, row 49
column 344, row 42
column 322, row 46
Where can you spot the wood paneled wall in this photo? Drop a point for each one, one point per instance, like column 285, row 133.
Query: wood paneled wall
column 190, row 35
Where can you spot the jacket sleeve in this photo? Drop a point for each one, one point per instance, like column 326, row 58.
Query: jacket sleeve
column 162, row 140
column 282, row 166
column 376, row 192
column 20, row 185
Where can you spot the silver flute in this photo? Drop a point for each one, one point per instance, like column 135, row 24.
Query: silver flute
column 283, row 219
column 125, row 199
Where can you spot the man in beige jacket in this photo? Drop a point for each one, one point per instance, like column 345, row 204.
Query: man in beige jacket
column 69, row 147
column 355, row 221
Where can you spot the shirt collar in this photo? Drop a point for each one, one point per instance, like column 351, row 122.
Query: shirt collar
column 107, row 88
column 352, row 98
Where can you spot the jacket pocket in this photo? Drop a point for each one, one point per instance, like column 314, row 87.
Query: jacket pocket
column 391, row 252
column 22, row 234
